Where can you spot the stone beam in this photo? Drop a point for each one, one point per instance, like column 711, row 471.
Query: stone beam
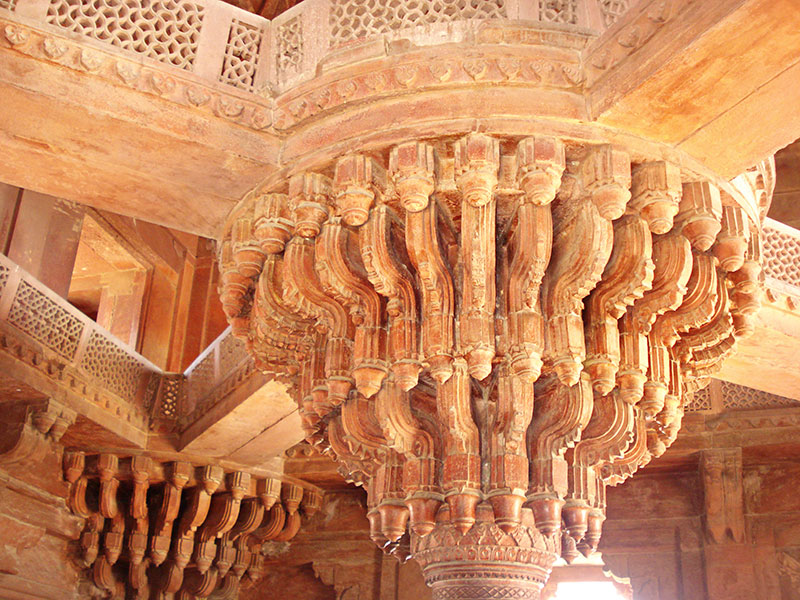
column 768, row 359
column 168, row 162
column 692, row 74
column 249, row 426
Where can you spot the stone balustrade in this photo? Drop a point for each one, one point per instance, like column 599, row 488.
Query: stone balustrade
column 221, row 44
column 52, row 346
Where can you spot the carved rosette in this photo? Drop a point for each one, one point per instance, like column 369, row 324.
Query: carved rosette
column 486, row 331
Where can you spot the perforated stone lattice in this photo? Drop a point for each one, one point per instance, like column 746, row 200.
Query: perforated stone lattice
column 232, row 353
column 355, row 19
column 166, row 30
column 108, row 363
column 171, row 392
column 612, row 10
column 201, row 379
column 45, row 321
column 8, row 4
column 241, row 55
column 781, row 256
column 699, row 400
column 559, row 11
column 3, row 278
column 290, row 45
column 737, row 397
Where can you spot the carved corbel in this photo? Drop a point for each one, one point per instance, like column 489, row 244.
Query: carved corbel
column 560, row 414
column 74, row 465
column 635, row 457
column 438, row 302
column 141, row 467
column 290, row 528
column 113, row 538
column 248, row 256
column 700, row 214
column 529, row 247
column 107, row 467
column 393, row 514
column 228, row 587
column 354, row 468
column 389, row 275
column 235, row 286
column 272, row 225
column 251, row 515
column 199, row 584
column 412, row 167
column 179, row 474
column 724, row 499
column 707, row 362
column 717, row 328
column 275, row 321
column 194, row 515
column 90, row 539
column 23, row 432
column 272, row 524
column 309, row 199
column 104, row 577
column 269, row 492
column 405, row 435
column 222, row 516
column 671, row 416
column 695, row 310
column 311, row 503
column 292, row 496
column 672, row 257
column 731, row 245
column 581, row 248
column 313, row 388
column 605, row 438
column 540, row 164
column 746, row 289
column 52, row 418
column 303, row 291
column 509, row 457
column 608, row 435
column 656, row 194
column 461, row 471
column 362, row 429
column 477, row 160
column 346, row 281
column 627, row 276
column 606, row 176
column 356, row 180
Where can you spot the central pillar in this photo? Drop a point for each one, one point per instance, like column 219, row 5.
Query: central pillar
column 486, row 562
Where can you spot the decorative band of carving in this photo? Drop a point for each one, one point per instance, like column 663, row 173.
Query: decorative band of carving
column 459, row 591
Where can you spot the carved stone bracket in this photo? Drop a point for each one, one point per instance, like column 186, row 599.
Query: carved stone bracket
column 501, row 327
column 177, row 528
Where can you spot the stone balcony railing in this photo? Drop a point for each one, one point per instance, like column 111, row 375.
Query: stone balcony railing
column 781, row 258
column 61, row 352
column 217, row 43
